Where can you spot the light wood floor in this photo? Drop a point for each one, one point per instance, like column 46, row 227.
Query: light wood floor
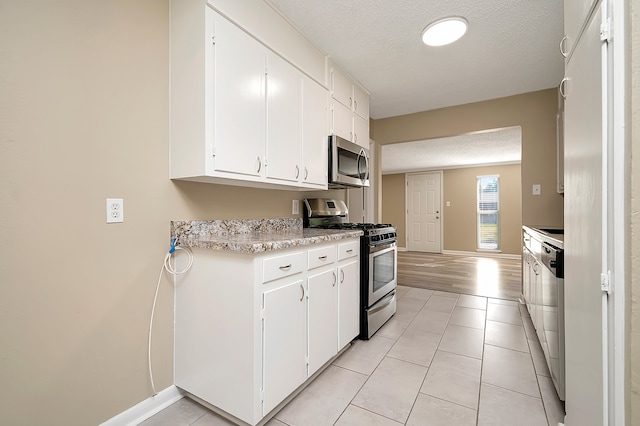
column 475, row 275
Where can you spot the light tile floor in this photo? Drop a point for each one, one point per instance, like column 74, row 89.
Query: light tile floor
column 443, row 359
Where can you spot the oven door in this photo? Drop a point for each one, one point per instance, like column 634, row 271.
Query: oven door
column 383, row 274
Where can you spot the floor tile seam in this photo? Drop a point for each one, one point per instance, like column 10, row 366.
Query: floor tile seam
column 375, row 413
column 544, row 406
column 198, row 419
column 469, row 307
column 510, row 349
column 450, row 402
column 511, row 390
column 350, row 370
column 506, row 322
column 468, row 356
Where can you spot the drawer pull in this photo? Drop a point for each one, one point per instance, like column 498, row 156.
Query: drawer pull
column 323, row 257
column 350, row 251
column 286, row 267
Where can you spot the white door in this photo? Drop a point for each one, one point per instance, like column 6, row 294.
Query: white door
column 583, row 242
column 424, row 212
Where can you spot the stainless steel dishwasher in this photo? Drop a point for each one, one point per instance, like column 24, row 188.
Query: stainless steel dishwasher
column 552, row 330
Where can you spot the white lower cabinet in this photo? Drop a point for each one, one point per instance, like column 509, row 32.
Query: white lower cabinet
column 348, row 296
column 323, row 318
column 284, row 342
column 251, row 329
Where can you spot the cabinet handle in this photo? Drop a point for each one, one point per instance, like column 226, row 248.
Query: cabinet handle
column 562, row 46
column 562, row 86
column 302, row 288
column 350, row 251
column 323, row 257
column 285, row 267
column 355, row 105
column 350, row 102
column 259, row 164
column 355, row 137
column 335, row 279
column 341, row 276
column 306, row 173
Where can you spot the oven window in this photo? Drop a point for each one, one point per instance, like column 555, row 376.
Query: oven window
column 383, row 269
column 348, row 164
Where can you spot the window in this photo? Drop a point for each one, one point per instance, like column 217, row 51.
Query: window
column 488, row 212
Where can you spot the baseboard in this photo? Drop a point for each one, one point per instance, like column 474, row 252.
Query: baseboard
column 147, row 408
column 402, row 249
column 482, row 254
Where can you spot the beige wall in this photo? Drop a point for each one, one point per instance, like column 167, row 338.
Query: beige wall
column 393, row 206
column 84, row 116
column 633, row 299
column 459, row 220
column 536, row 114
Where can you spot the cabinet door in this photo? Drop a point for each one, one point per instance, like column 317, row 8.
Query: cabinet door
column 238, row 99
column 360, row 102
column 361, row 131
column 348, row 302
column 341, row 121
column 341, row 87
column 284, row 119
column 576, row 13
column 323, row 318
column 284, row 342
column 315, row 132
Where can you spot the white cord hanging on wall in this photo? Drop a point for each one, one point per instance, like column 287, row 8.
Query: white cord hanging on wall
column 166, row 265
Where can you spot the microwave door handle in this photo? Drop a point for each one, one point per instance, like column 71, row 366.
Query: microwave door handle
column 360, row 156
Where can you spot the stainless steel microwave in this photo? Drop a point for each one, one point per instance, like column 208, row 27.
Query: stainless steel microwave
column 348, row 164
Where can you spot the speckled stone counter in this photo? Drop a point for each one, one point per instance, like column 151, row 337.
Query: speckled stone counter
column 252, row 235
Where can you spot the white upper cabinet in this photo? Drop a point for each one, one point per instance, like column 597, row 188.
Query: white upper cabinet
column 315, row 133
column 576, row 13
column 349, row 108
column 284, row 119
column 341, row 87
column 360, row 102
column 236, row 103
column 239, row 111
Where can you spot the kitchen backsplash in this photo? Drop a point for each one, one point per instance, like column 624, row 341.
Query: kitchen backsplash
column 205, row 228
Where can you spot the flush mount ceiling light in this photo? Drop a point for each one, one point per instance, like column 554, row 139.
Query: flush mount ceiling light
column 444, row 31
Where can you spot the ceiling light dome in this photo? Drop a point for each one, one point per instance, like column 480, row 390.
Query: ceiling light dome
column 444, row 31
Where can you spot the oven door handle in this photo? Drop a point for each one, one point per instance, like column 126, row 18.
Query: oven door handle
column 381, row 247
column 384, row 302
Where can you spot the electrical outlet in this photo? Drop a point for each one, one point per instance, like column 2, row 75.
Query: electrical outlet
column 115, row 210
column 536, row 189
column 295, row 207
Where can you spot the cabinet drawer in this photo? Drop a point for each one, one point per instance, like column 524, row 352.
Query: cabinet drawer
column 347, row 250
column 282, row 266
column 322, row 256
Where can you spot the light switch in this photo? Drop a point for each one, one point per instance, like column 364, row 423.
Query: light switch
column 448, row 203
column 536, row 189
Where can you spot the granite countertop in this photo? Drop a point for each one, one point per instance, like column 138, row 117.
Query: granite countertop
column 252, row 235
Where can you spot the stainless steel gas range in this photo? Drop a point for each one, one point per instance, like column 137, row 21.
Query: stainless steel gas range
column 378, row 260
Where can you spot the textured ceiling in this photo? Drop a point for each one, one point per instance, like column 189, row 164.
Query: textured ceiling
column 500, row 146
column 511, row 47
